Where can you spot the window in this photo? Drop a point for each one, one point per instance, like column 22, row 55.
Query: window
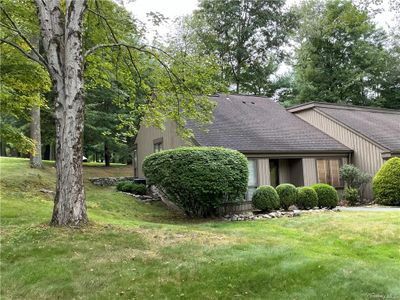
column 252, row 182
column 328, row 171
column 158, row 145
column 135, row 161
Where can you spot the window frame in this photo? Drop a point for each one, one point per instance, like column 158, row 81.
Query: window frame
column 257, row 177
column 158, row 145
column 135, row 160
column 340, row 159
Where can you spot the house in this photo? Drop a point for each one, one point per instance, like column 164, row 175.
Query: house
column 280, row 146
column 372, row 133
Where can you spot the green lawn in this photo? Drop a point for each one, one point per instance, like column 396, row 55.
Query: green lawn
column 132, row 250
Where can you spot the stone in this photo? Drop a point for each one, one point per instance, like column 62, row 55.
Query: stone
column 105, row 181
column 47, row 191
column 293, row 207
column 296, row 213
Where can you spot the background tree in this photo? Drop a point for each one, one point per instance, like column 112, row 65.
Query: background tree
column 246, row 37
column 24, row 83
column 342, row 56
column 171, row 91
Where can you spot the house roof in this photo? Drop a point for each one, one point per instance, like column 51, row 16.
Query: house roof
column 382, row 126
column 259, row 125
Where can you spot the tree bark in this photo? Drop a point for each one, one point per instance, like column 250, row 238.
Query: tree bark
column 62, row 43
column 36, row 158
column 107, row 154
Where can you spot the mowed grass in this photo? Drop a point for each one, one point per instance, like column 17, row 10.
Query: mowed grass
column 133, row 250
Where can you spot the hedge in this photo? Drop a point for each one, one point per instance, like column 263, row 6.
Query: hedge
column 287, row 194
column 131, row 187
column 198, row 179
column 386, row 183
column 266, row 198
column 307, row 198
column 327, row 195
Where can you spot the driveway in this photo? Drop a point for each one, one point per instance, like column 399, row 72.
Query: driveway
column 369, row 208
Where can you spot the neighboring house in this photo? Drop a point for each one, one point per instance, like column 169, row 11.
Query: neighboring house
column 280, row 147
column 373, row 134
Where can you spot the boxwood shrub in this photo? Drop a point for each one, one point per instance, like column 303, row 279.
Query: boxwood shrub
column 306, row 198
column 266, row 198
column 131, row 187
column 386, row 183
column 198, row 179
column 327, row 195
column 287, row 194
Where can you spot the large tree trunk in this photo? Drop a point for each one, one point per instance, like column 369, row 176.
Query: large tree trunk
column 36, row 158
column 107, row 154
column 62, row 43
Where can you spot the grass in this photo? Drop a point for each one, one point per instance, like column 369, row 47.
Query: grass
column 133, row 250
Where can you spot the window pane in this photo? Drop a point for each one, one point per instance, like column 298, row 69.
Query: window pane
column 250, row 192
column 252, row 173
column 321, row 171
column 334, row 172
column 328, row 171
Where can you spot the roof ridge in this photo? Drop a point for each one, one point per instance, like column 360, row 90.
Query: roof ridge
column 344, row 106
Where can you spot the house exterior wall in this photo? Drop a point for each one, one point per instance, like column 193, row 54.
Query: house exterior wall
column 367, row 156
column 145, row 142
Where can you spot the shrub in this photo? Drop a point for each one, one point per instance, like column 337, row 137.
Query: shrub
column 353, row 177
column 306, row 198
column 287, row 194
column 327, row 195
column 198, row 179
column 121, row 184
column 132, row 187
column 266, row 198
column 386, row 183
column 352, row 195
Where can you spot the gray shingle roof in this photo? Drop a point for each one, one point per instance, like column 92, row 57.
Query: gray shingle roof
column 258, row 124
column 381, row 126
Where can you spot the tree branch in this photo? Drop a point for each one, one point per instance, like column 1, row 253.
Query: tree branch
column 40, row 59
column 16, row 46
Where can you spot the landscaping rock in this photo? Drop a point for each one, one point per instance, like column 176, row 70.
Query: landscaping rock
column 47, row 191
column 247, row 216
column 106, row 181
column 293, row 207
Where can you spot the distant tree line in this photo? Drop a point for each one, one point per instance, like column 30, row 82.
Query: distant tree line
column 333, row 48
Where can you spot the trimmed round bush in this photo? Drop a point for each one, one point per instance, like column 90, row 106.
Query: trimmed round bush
column 306, row 198
column 386, row 183
column 132, row 187
column 287, row 194
column 198, row 179
column 327, row 195
column 266, row 198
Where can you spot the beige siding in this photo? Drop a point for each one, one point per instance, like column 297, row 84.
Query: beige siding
column 147, row 135
column 367, row 156
column 309, row 171
column 263, row 171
